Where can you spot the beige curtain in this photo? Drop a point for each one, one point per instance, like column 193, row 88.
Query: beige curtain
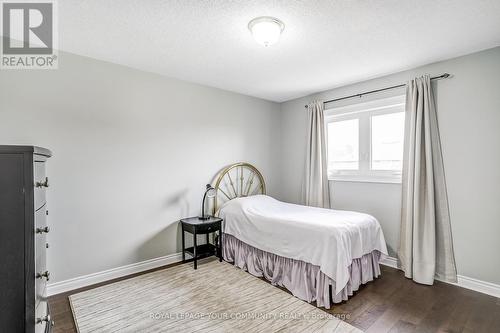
column 315, row 190
column 426, row 246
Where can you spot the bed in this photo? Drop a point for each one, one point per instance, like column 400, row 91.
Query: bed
column 320, row 255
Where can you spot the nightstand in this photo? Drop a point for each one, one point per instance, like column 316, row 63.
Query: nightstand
column 195, row 226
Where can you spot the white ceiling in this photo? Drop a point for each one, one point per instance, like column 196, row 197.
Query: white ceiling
column 325, row 44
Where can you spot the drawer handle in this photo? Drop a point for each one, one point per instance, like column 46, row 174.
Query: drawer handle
column 42, row 320
column 45, row 274
column 43, row 184
column 42, row 230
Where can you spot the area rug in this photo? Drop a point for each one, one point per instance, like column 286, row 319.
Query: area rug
column 217, row 297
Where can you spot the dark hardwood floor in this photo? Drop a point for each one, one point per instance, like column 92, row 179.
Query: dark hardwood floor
column 392, row 303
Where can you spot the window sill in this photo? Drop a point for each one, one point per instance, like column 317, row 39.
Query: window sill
column 366, row 180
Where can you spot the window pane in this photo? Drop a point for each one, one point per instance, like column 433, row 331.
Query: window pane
column 343, row 145
column 387, row 141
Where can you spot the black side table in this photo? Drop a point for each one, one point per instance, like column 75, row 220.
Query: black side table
column 199, row 227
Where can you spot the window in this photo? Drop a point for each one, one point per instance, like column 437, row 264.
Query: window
column 343, row 144
column 365, row 141
column 387, row 141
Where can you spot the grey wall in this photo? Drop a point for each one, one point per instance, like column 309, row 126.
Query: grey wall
column 132, row 154
column 468, row 107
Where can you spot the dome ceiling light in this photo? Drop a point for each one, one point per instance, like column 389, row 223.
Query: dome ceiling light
column 266, row 30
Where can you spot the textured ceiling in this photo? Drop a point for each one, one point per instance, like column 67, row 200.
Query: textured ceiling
column 325, row 43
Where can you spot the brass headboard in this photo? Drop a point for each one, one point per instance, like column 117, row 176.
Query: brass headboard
column 237, row 180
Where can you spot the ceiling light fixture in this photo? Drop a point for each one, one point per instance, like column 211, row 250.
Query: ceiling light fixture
column 266, row 30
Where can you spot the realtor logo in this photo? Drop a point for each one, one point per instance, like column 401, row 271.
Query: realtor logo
column 28, row 35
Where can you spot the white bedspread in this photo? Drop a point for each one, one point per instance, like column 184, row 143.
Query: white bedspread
column 328, row 238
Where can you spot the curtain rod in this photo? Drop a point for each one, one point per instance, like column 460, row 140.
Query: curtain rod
column 442, row 76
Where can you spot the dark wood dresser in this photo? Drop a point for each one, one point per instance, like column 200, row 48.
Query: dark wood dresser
column 23, row 230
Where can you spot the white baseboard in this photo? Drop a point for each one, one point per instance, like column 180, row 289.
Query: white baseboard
column 390, row 261
column 478, row 285
column 463, row 281
column 113, row 273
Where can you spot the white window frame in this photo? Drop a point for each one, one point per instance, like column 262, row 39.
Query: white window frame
column 363, row 112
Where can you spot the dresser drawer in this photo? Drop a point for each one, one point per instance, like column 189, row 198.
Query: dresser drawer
column 42, row 318
column 40, row 184
column 42, row 296
column 208, row 227
column 41, row 217
column 40, row 277
column 39, row 198
column 40, row 239
column 40, row 253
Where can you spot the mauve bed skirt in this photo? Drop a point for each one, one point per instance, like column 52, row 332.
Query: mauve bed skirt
column 302, row 279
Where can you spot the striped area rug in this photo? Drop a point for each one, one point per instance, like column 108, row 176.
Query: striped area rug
column 215, row 298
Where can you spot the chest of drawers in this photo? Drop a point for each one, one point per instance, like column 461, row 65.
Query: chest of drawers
column 23, row 243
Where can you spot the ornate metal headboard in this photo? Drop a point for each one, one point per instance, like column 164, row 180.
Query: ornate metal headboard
column 237, row 180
